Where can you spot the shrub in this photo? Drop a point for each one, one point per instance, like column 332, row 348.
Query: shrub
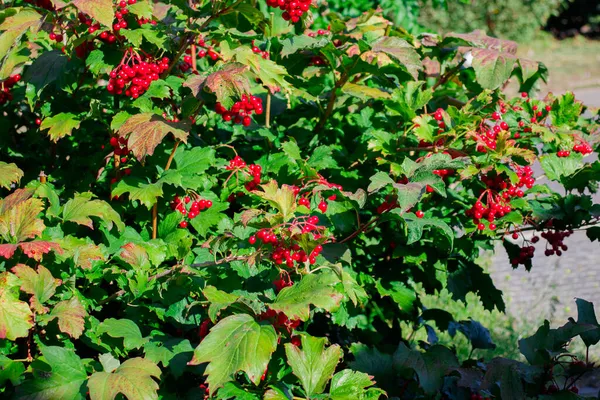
column 511, row 19
column 206, row 199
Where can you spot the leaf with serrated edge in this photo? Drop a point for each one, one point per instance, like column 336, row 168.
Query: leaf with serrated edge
column 40, row 284
column 313, row 289
column 236, row 343
column 71, row 316
column 400, row 50
column 20, row 222
column 146, row 131
column 133, row 379
column 349, row 385
column 65, row 380
column 81, row 207
column 228, row 83
column 123, row 328
column 60, row 125
column 9, row 174
column 282, row 198
column 15, row 316
column 100, row 10
column 218, row 300
column 38, row 248
column 312, row 364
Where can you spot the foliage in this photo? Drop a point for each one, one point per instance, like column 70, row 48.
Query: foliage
column 208, row 199
column 511, row 19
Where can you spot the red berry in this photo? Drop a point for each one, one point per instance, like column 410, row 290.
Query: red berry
column 496, row 116
column 323, row 206
column 419, row 214
column 252, row 239
column 183, row 224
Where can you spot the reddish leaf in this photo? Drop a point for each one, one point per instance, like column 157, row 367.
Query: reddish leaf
column 480, row 39
column 228, row 83
column 16, row 197
column 70, row 314
column 135, row 255
column 101, row 10
column 146, row 131
column 38, row 248
column 7, row 250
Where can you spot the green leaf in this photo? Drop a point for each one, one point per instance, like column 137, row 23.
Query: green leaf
column 587, row 315
column 478, row 335
column 95, row 62
column 40, row 284
column 235, row 391
column 292, row 150
column 142, row 8
column 81, row 207
column 566, row 110
column 402, row 295
column 237, row 343
column 593, row 233
column 364, row 92
column 10, row 371
column 507, row 375
column 470, row 277
column 431, row 367
column 60, row 125
column 145, row 193
column 415, row 226
column 296, row 43
column 133, row 379
column 313, row 289
column 123, row 328
column 194, row 162
column 65, row 380
column 379, row 181
column 100, row 10
column 46, row 69
column 557, row 167
column 312, row 363
column 322, row 158
column 172, row 353
column 492, row 68
column 9, row 174
column 14, row 26
column 282, row 198
column 133, row 36
column 218, row 300
column 351, row 385
column 15, row 316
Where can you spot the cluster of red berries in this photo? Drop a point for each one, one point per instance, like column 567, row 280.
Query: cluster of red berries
column 6, row 86
column 388, row 204
column 189, row 209
column 489, row 135
column 292, row 9
column 257, row 50
column 242, row 110
column 439, row 117
column 134, row 76
column 283, row 282
column 555, row 241
column 119, row 146
column 56, row 37
column 280, row 321
column 202, row 50
column 304, row 201
column 254, row 170
column 120, row 12
column 525, row 253
column 563, row 153
column 477, row 396
column 320, row 32
column 583, row 148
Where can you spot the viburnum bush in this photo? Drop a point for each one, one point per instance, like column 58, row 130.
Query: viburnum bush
column 244, row 199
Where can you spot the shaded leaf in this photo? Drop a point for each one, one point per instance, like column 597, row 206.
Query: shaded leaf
column 312, row 363
column 123, row 328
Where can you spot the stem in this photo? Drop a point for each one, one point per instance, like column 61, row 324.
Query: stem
column 331, row 103
column 447, row 75
column 194, row 57
column 155, row 207
column 268, row 111
column 360, row 230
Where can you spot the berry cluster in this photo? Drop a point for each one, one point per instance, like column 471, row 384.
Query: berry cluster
column 280, row 321
column 439, row 117
column 202, row 50
column 583, row 148
column 119, row 146
column 253, row 170
column 121, row 11
column 497, row 197
column 257, row 50
column 189, row 209
column 563, row 153
column 292, row 9
column 56, row 37
column 555, row 242
column 242, row 110
column 105, row 36
column 134, row 76
column 525, row 253
column 283, row 282
column 6, row 86
column 320, row 32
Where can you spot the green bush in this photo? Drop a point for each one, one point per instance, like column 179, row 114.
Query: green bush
column 511, row 19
